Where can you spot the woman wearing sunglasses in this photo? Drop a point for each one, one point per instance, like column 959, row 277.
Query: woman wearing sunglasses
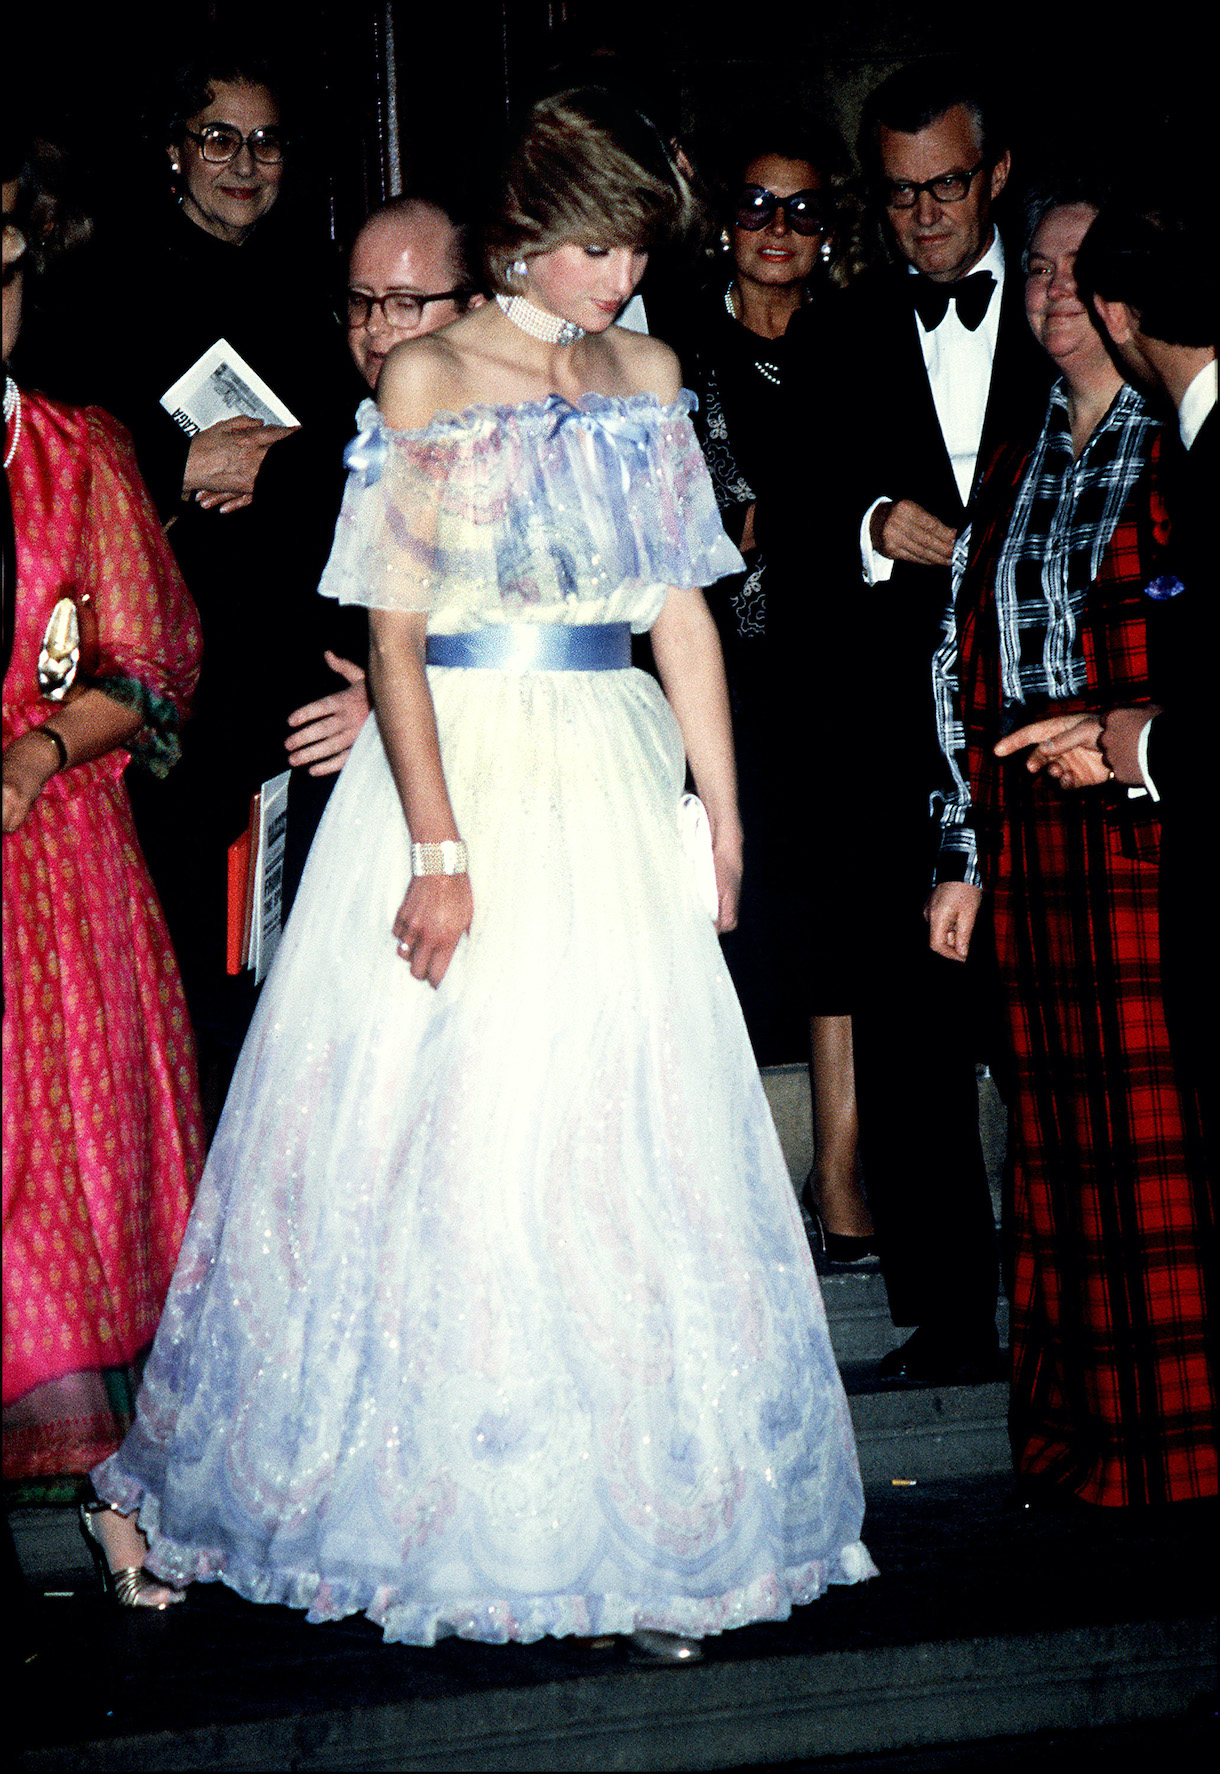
column 788, row 243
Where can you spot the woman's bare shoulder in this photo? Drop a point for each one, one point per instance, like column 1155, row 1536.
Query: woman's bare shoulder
column 426, row 376
column 647, row 365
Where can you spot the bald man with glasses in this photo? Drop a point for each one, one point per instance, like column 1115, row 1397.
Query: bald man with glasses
column 408, row 273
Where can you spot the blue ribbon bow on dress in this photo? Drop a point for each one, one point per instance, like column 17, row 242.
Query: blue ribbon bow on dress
column 604, row 429
column 366, row 454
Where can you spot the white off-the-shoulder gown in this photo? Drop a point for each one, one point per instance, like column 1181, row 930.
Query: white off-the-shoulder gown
column 495, row 1314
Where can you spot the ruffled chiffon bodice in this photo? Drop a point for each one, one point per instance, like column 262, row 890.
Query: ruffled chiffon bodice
column 546, row 512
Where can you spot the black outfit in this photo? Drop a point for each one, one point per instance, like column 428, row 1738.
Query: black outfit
column 1183, row 648
column 863, row 410
column 739, row 378
column 253, row 573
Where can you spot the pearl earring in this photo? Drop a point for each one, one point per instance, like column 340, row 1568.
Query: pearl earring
column 826, row 252
column 519, row 269
column 725, row 243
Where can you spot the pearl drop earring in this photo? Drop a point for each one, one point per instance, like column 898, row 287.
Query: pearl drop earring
column 519, row 269
column 826, row 252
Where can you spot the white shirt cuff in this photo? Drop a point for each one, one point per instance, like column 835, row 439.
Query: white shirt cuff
column 1141, row 758
column 875, row 567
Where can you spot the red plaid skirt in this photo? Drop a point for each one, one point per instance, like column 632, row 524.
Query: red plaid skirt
column 1110, row 1216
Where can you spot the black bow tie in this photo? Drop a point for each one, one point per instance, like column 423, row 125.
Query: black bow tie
column 972, row 296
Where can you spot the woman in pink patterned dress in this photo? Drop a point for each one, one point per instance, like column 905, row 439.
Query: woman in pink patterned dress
column 102, row 1136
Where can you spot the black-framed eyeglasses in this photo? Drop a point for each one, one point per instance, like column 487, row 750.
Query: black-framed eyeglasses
column 398, row 308
column 804, row 212
column 219, row 143
column 946, row 187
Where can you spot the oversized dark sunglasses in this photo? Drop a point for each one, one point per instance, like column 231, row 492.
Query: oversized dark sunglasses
column 804, row 211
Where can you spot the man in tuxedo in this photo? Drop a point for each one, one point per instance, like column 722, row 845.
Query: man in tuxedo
column 932, row 368
column 1150, row 279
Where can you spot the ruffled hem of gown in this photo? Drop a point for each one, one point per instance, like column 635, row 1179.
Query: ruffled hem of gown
column 522, row 1620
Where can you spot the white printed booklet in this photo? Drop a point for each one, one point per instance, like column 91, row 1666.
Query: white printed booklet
column 219, row 386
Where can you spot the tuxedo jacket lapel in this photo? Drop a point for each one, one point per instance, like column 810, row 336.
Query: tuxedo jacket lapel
column 926, row 442
column 1021, row 376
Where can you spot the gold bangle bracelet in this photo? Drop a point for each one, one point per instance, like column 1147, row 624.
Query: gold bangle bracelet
column 54, row 737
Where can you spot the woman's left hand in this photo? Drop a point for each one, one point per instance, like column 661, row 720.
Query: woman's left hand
column 1066, row 746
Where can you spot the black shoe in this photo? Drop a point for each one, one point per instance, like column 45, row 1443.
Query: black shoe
column 942, row 1358
column 835, row 1249
column 1041, row 1496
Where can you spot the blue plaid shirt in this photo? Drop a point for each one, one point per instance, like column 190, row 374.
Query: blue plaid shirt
column 1064, row 516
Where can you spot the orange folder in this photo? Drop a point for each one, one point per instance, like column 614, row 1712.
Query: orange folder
column 242, row 858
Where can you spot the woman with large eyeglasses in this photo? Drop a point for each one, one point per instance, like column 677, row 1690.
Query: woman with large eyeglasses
column 213, row 265
column 788, row 242
column 227, row 256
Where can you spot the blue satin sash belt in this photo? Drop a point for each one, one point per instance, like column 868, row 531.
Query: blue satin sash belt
column 535, row 646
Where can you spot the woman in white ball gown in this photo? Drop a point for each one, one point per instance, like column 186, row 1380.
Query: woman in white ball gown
column 495, row 1314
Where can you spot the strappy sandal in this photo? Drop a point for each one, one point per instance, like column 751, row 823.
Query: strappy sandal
column 127, row 1586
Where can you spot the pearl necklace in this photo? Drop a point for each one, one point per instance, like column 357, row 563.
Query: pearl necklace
column 768, row 371
column 538, row 323
column 12, row 410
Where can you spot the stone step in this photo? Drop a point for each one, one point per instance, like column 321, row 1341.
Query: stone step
column 713, row 1715
column 928, row 1432
column 859, row 1317
column 982, row 1624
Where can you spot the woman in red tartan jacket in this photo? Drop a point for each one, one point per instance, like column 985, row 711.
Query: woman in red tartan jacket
column 1112, row 1399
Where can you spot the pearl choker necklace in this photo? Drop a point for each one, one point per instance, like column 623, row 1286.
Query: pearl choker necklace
column 538, row 323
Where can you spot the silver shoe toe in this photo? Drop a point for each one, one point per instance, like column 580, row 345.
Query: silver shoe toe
column 665, row 1647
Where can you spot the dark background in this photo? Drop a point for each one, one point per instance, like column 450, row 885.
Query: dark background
column 1086, row 84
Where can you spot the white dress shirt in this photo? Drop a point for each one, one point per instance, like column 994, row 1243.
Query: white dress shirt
column 958, row 363
column 1197, row 403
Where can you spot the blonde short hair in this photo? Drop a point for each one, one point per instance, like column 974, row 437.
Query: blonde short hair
column 588, row 170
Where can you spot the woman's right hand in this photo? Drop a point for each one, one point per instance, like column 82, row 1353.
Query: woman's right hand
column 436, row 912
column 222, row 463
